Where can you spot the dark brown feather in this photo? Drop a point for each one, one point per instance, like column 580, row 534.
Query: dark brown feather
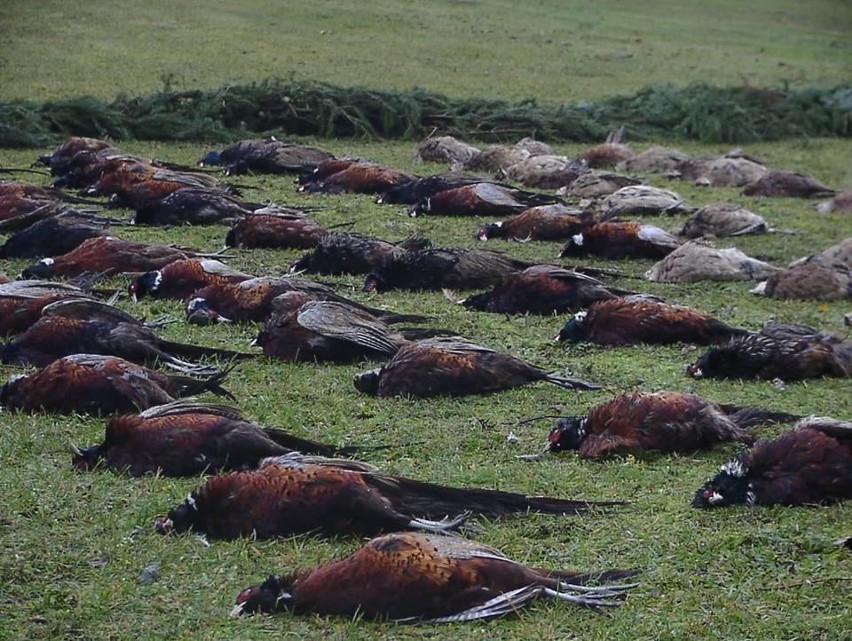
column 352, row 253
column 294, row 494
column 186, row 438
column 437, row 268
column 267, row 156
column 631, row 320
column 301, row 329
column 808, row 465
column 85, row 326
column 107, row 255
column 53, row 236
column 542, row 289
column 456, row 367
column 664, row 421
column 787, row 352
column 180, row 278
column 543, row 222
column 275, row 231
column 92, row 384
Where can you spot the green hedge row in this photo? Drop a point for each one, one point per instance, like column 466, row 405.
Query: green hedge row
column 698, row 111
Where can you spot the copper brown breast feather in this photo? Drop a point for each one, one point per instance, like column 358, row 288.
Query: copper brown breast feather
column 664, row 421
column 107, row 255
column 87, row 326
column 94, row 384
column 808, row 465
column 21, row 301
column 542, row 289
column 276, row 231
column 180, row 278
column 187, row 437
column 631, row 320
column 295, row 494
column 454, row 366
column 412, row 577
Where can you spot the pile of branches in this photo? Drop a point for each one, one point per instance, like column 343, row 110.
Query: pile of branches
column 698, row 111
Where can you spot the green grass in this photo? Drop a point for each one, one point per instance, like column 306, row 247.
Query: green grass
column 764, row 573
column 550, row 50
column 72, row 545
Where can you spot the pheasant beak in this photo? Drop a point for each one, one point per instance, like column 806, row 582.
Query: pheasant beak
column 237, row 611
column 537, row 455
column 164, row 525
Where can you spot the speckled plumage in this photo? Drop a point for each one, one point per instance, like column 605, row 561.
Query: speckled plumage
column 453, row 366
column 665, row 421
column 93, row 384
column 427, row 578
column 810, row 464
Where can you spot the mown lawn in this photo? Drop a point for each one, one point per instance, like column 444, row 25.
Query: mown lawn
column 549, row 50
column 74, row 544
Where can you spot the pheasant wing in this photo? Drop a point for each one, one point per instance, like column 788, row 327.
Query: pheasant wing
column 38, row 289
column 192, row 406
column 89, row 309
column 347, row 323
column 135, row 385
column 495, row 195
column 218, row 268
column 657, row 236
column 831, row 426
